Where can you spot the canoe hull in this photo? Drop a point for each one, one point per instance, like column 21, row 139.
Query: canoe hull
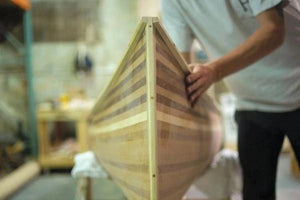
column 143, row 130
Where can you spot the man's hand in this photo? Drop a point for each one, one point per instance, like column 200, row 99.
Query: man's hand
column 201, row 78
column 268, row 37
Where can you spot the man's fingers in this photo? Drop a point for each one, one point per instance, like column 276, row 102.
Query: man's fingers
column 197, row 84
column 194, row 76
column 195, row 101
column 197, row 94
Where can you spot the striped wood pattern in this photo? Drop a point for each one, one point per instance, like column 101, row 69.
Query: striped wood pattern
column 143, row 130
column 119, row 127
column 184, row 133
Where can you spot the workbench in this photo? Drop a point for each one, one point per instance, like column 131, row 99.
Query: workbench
column 46, row 158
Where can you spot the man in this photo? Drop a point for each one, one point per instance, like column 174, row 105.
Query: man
column 255, row 46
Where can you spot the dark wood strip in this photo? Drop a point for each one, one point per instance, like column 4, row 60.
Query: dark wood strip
column 175, row 84
column 160, row 43
column 170, row 86
column 180, row 166
column 168, row 56
column 112, row 136
column 137, row 54
column 178, row 188
column 167, row 135
column 170, row 131
column 174, row 105
column 125, row 137
column 136, row 102
column 134, row 72
column 127, row 92
column 164, row 71
column 162, row 68
column 138, row 168
column 167, row 126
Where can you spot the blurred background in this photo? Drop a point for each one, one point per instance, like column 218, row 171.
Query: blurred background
column 55, row 58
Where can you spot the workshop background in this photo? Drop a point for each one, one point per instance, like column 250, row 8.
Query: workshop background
column 55, row 58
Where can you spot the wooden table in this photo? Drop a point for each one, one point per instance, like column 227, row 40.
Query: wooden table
column 48, row 160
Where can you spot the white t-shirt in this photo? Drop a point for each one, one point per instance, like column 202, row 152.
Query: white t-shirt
column 272, row 84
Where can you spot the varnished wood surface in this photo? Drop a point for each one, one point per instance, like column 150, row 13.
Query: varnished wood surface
column 184, row 133
column 143, row 129
column 119, row 127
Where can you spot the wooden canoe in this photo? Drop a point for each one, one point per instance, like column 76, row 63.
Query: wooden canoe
column 143, row 129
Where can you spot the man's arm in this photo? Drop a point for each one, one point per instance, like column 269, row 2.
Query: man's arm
column 268, row 37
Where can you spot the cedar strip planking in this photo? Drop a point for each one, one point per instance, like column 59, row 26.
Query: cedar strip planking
column 137, row 168
column 178, row 106
column 182, row 133
column 127, row 134
column 118, row 118
column 125, row 101
column 117, row 152
column 129, row 77
column 137, row 85
column 136, row 102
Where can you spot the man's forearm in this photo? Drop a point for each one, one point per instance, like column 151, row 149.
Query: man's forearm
column 266, row 39
column 263, row 41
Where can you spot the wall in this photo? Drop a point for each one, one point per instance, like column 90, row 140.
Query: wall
column 54, row 61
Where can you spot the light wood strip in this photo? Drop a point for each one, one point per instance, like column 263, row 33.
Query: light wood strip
column 181, row 166
column 166, row 62
column 135, row 53
column 151, row 107
column 181, row 122
column 168, row 86
column 167, row 70
column 135, row 119
column 131, row 66
column 187, row 158
column 134, row 152
column 167, row 81
column 120, row 113
column 133, row 191
column 161, row 49
column 137, row 183
column 168, row 132
column 126, row 134
column 136, row 168
column 165, row 108
column 161, row 44
column 137, row 110
column 174, row 188
column 164, row 51
column 123, row 85
column 176, row 97
column 129, row 194
column 123, row 103
column 163, row 34
column 118, row 97
column 175, row 106
column 132, row 45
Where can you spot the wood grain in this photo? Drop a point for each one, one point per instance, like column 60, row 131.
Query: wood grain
column 143, row 129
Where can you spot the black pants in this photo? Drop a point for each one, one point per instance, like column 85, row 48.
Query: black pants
column 260, row 137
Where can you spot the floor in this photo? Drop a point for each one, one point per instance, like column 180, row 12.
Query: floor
column 288, row 187
column 57, row 186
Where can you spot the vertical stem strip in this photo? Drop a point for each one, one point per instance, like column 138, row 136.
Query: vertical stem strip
column 151, row 100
